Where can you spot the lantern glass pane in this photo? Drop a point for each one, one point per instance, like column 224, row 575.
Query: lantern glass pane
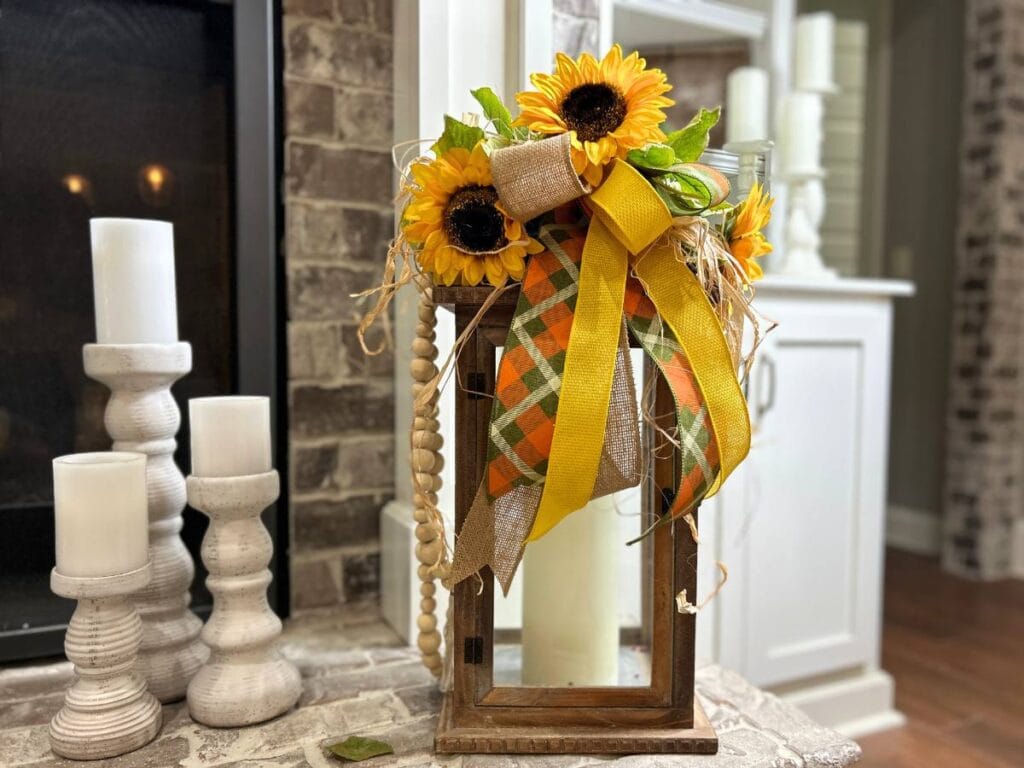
column 579, row 610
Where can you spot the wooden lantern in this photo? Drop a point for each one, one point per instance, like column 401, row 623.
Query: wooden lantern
column 483, row 714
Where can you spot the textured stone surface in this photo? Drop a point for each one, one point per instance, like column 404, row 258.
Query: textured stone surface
column 356, row 680
column 338, row 222
column 985, row 413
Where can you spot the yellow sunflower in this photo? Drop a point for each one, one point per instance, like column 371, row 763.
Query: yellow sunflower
column 457, row 225
column 746, row 240
column 611, row 107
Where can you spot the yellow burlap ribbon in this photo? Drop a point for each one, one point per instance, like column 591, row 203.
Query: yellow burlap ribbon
column 628, row 218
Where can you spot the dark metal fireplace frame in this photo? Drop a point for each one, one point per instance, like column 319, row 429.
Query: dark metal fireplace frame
column 259, row 277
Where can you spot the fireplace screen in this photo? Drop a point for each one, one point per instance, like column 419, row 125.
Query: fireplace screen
column 109, row 108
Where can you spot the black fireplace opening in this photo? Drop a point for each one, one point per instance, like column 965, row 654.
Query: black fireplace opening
column 159, row 109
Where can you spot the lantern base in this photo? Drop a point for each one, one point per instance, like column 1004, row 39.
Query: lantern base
column 451, row 739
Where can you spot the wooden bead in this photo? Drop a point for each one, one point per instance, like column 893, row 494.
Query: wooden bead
column 428, row 605
column 432, row 441
column 422, row 515
column 424, row 499
column 438, row 464
column 423, row 348
column 427, row 589
column 427, row 532
column 428, row 553
column 426, row 622
column 433, row 662
column 429, row 642
column 425, row 482
column 426, row 313
column 423, row 571
column 423, row 460
column 422, row 370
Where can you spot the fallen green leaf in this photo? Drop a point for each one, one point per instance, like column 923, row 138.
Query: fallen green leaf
column 357, row 748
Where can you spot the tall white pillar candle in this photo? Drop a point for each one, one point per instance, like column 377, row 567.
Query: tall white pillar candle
column 815, row 43
column 100, row 512
column 133, row 281
column 570, row 605
column 230, row 436
column 800, row 133
column 746, row 105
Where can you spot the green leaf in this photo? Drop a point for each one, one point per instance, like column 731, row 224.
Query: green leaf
column 495, row 111
column 690, row 142
column 457, row 134
column 357, row 748
column 684, row 194
column 653, row 157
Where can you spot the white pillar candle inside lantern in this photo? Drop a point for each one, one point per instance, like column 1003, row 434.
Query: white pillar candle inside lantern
column 230, row 436
column 746, row 105
column 800, row 132
column 570, row 601
column 815, row 41
column 100, row 512
column 133, row 281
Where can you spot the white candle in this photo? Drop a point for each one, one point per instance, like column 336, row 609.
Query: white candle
column 815, row 41
column 230, row 436
column 133, row 281
column 570, row 601
column 100, row 513
column 746, row 105
column 800, row 133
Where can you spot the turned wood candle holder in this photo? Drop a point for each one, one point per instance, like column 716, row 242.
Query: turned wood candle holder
column 245, row 680
column 143, row 417
column 107, row 711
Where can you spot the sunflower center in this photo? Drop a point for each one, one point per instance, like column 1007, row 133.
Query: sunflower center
column 473, row 222
column 593, row 110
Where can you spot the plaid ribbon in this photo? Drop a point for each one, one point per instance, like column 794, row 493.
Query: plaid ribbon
column 527, row 389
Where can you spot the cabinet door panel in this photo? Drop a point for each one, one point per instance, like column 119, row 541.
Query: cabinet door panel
column 801, row 520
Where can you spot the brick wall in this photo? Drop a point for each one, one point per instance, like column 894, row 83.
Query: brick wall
column 985, row 417
column 338, row 182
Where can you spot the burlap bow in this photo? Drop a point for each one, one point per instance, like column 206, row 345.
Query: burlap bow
column 564, row 427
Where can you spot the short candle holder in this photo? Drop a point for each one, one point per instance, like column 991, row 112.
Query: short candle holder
column 246, row 680
column 143, row 417
column 107, row 711
column 806, row 210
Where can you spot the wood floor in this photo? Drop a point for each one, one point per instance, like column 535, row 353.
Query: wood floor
column 956, row 650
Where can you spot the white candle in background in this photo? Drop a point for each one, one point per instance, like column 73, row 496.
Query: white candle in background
column 800, row 133
column 133, row 281
column 570, row 601
column 230, row 436
column 746, row 105
column 100, row 513
column 815, row 42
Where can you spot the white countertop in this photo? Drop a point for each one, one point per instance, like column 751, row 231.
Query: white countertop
column 850, row 286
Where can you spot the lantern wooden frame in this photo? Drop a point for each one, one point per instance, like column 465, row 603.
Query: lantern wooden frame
column 479, row 717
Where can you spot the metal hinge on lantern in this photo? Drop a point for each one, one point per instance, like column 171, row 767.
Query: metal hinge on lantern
column 475, row 384
column 474, row 650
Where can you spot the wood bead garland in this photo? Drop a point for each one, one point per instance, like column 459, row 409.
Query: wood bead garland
column 426, row 461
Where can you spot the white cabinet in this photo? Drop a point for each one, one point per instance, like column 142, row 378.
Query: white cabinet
column 800, row 525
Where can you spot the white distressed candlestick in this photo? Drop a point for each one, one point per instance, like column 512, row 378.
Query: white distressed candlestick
column 107, row 711
column 99, row 502
column 142, row 416
column 246, row 680
column 802, row 257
